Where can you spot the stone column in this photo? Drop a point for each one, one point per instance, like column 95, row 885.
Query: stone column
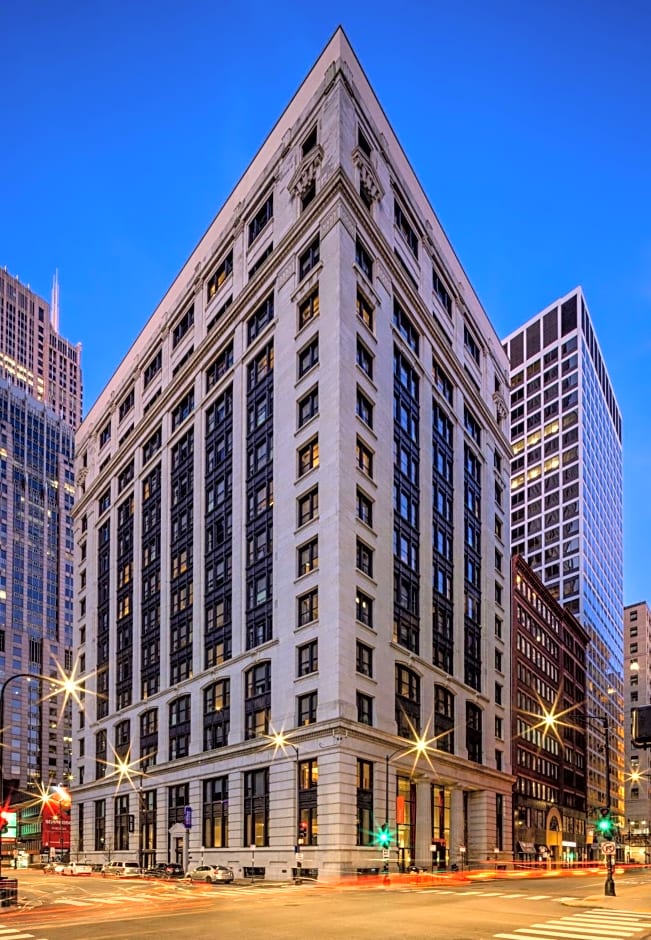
column 457, row 838
column 423, row 856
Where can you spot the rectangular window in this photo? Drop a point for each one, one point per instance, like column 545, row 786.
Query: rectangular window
column 405, row 327
column 152, row 368
column 308, row 457
column 405, row 228
column 472, row 425
column 126, row 405
column 308, row 557
column 218, row 278
column 364, row 458
column 364, row 659
column 365, row 824
column 441, row 291
column 219, row 367
column 105, row 435
column 364, row 508
column 364, row 558
column 307, row 658
column 471, row 344
column 308, row 406
column 258, row 320
column 308, row 607
column 308, row 506
column 184, row 408
column 364, row 358
column 308, row 308
column 442, row 382
column 364, row 408
column 308, row 357
column 364, row 709
column 309, row 259
column 256, row 807
column 261, row 218
column 364, row 608
column 364, row 311
column 306, row 709
column 363, row 259
column 183, row 327
column 260, row 260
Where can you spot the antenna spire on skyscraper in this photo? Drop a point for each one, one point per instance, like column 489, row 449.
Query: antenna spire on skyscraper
column 54, row 306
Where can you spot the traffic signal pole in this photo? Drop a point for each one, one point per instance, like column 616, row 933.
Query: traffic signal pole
column 609, row 885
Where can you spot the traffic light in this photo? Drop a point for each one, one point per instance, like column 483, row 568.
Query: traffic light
column 606, row 825
column 302, row 832
column 4, row 821
column 383, row 837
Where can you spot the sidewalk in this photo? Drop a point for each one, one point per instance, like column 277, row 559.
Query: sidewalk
column 629, row 898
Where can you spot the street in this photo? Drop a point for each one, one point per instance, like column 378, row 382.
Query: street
column 544, row 909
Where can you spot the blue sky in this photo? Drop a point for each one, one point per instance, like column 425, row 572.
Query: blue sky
column 126, row 125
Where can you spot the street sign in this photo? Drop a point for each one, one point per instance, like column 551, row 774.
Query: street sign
column 608, row 848
column 298, row 858
column 386, row 853
column 187, row 817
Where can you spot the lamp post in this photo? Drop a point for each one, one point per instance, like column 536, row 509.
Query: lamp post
column 609, row 885
column 3, row 689
column 417, row 747
column 141, row 823
column 280, row 740
column 550, row 721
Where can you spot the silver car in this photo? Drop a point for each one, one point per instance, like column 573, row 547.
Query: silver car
column 211, row 874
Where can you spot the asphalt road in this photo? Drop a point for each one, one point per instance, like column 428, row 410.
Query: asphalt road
column 542, row 909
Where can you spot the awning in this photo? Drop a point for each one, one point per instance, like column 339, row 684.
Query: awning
column 527, row 848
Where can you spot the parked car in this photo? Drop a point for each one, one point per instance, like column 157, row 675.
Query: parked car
column 165, row 870
column 212, row 874
column 52, row 868
column 77, row 868
column 122, row 869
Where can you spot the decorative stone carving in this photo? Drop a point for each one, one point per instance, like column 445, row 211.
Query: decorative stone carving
column 305, row 173
column 500, row 406
column 367, row 176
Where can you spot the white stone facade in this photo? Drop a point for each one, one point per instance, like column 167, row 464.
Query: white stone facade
column 334, row 144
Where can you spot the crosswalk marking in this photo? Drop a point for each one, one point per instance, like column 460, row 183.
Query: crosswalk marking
column 591, row 931
column 596, row 924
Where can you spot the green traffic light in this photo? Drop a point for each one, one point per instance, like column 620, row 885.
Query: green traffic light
column 383, row 837
column 606, row 825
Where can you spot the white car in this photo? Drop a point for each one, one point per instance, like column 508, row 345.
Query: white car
column 77, row 868
column 212, row 874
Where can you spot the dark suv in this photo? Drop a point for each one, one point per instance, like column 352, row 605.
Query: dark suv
column 165, row 870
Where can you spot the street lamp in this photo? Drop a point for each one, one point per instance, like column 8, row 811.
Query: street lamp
column 3, row 689
column 279, row 741
column 418, row 747
column 550, row 722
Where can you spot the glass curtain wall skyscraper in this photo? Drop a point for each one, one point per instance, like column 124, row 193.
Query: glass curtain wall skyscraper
column 40, row 406
column 566, row 506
